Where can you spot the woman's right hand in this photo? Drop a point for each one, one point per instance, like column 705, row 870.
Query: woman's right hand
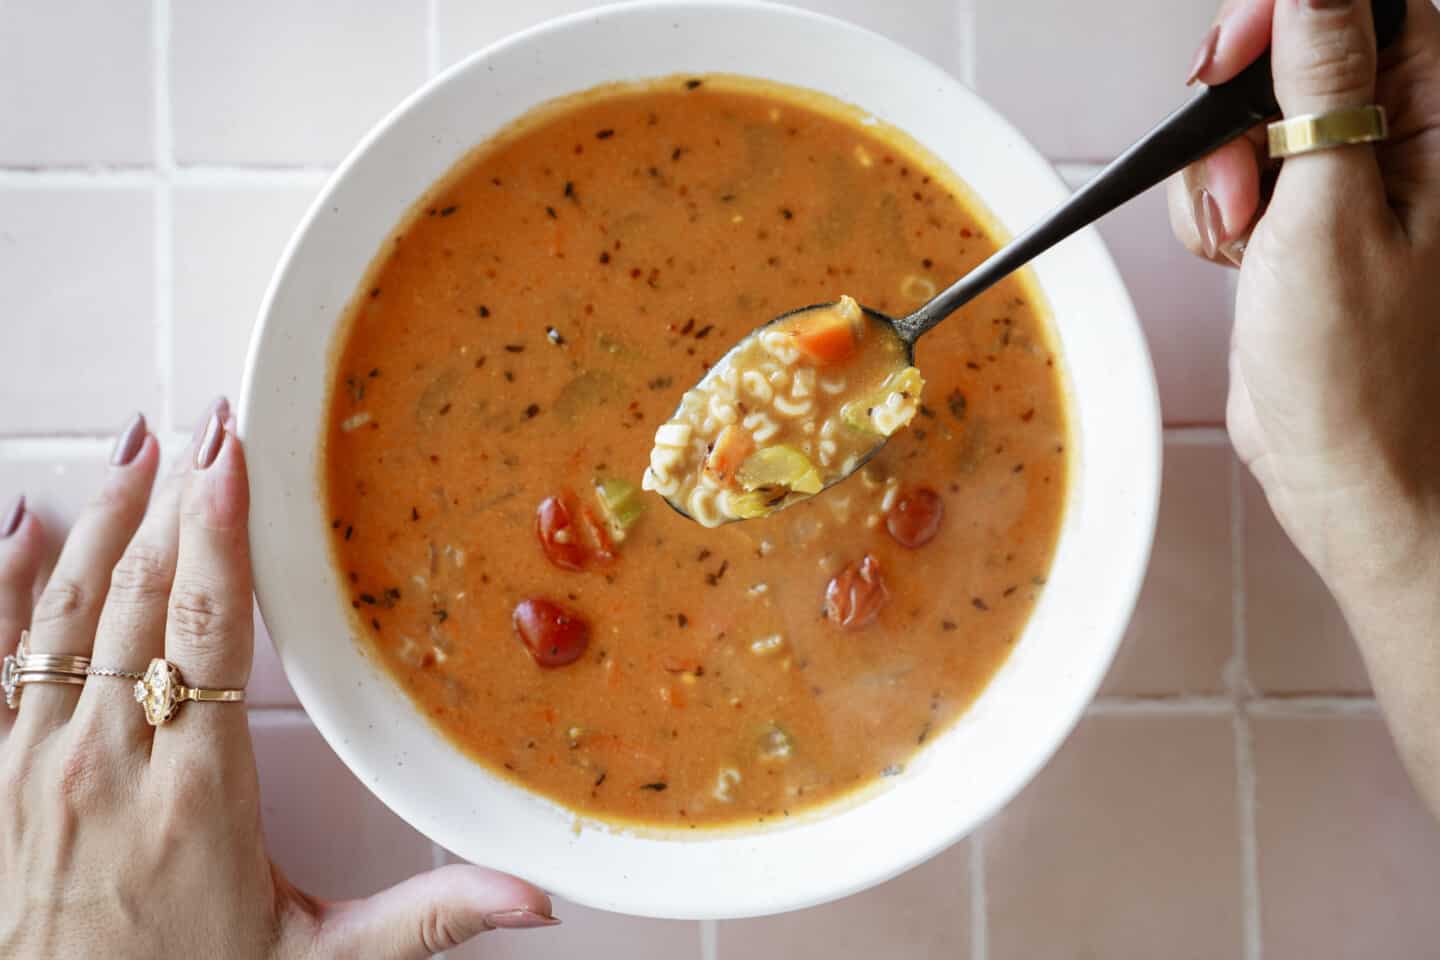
column 1335, row 357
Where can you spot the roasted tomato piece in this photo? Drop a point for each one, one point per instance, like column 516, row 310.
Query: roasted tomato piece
column 554, row 635
column 558, row 535
column 915, row 518
column 855, row 596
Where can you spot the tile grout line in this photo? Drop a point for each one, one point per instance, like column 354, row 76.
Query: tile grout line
column 432, row 37
column 709, row 940
column 979, row 910
column 1242, row 692
column 164, row 211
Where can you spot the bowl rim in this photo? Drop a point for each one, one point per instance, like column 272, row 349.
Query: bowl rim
column 1149, row 437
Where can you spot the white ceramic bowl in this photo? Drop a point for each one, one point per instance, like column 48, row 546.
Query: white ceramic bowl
column 964, row 776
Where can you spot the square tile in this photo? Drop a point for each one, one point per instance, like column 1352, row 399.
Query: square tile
column 1349, row 857
column 1181, row 635
column 1051, row 66
column 77, row 292
column 1185, row 305
column 1126, row 845
column 588, row 933
column 277, row 83
column 1296, row 638
column 921, row 914
column 227, row 243
column 929, row 27
column 57, row 483
column 328, row 833
column 76, row 82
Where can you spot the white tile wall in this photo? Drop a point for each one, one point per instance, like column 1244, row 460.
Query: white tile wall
column 76, row 81
column 77, row 304
column 272, row 82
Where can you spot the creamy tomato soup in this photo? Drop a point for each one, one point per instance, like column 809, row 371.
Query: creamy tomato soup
column 497, row 392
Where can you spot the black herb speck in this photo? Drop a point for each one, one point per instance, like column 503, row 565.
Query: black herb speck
column 569, row 189
column 947, row 625
column 444, row 410
column 605, row 134
column 374, row 292
column 550, row 212
column 704, row 331
column 349, row 529
column 532, row 410
column 683, row 620
column 956, row 402
column 660, row 383
column 600, row 779
column 509, row 376
column 692, row 84
column 925, row 411
column 368, row 598
column 787, row 213
column 414, row 514
column 483, row 310
column 514, row 348
column 658, row 786
column 979, row 604
column 449, row 210
column 604, row 257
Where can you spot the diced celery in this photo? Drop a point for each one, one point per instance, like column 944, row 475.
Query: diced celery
column 859, row 413
column 780, row 466
column 620, row 502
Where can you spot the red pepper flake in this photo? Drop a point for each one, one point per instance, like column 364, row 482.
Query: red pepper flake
column 965, row 232
column 635, row 273
column 1028, row 415
column 414, row 514
column 605, row 134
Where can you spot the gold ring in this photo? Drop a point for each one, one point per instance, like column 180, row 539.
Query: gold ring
column 24, row 667
column 1322, row 131
column 161, row 691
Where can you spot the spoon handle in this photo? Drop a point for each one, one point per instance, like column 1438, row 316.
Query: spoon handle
column 1215, row 117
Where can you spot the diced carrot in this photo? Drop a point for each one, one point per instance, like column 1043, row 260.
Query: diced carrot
column 825, row 337
column 731, row 448
column 673, row 697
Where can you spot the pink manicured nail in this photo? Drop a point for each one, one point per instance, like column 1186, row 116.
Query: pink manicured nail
column 518, row 920
column 128, row 444
column 1209, row 222
column 219, row 407
column 13, row 518
column 1204, row 56
column 209, row 446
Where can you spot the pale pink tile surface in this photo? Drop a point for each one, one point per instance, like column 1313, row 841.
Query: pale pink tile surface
column 1298, row 641
column 1181, row 636
column 589, row 934
column 271, row 82
column 1084, row 80
column 227, row 242
column 931, row 28
column 328, row 833
column 57, row 486
column 1349, row 856
column 76, row 83
column 76, row 305
column 1185, row 305
column 1127, row 845
column 921, row 914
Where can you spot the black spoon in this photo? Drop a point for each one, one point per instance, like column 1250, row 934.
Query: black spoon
column 1216, row 116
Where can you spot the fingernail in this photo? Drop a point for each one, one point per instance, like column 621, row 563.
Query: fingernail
column 518, row 920
column 1234, row 251
column 209, row 446
column 219, row 407
column 1204, row 55
column 128, row 444
column 13, row 517
column 1209, row 222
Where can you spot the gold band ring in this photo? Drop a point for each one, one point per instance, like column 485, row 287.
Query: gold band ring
column 161, row 691
column 1322, row 131
column 24, row 667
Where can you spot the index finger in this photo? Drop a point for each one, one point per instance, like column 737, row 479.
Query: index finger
column 1240, row 34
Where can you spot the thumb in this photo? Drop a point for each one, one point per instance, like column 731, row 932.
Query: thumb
column 431, row 913
column 1324, row 59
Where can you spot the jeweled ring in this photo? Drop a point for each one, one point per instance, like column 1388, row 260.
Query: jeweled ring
column 1322, row 131
column 161, row 691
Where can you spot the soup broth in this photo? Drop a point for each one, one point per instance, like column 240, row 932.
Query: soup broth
column 495, row 397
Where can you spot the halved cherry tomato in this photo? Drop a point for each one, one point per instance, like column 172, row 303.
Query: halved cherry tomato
column 554, row 635
column 558, row 535
column 915, row 518
column 599, row 537
column 854, row 596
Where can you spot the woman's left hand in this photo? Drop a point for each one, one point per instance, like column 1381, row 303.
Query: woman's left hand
column 122, row 840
